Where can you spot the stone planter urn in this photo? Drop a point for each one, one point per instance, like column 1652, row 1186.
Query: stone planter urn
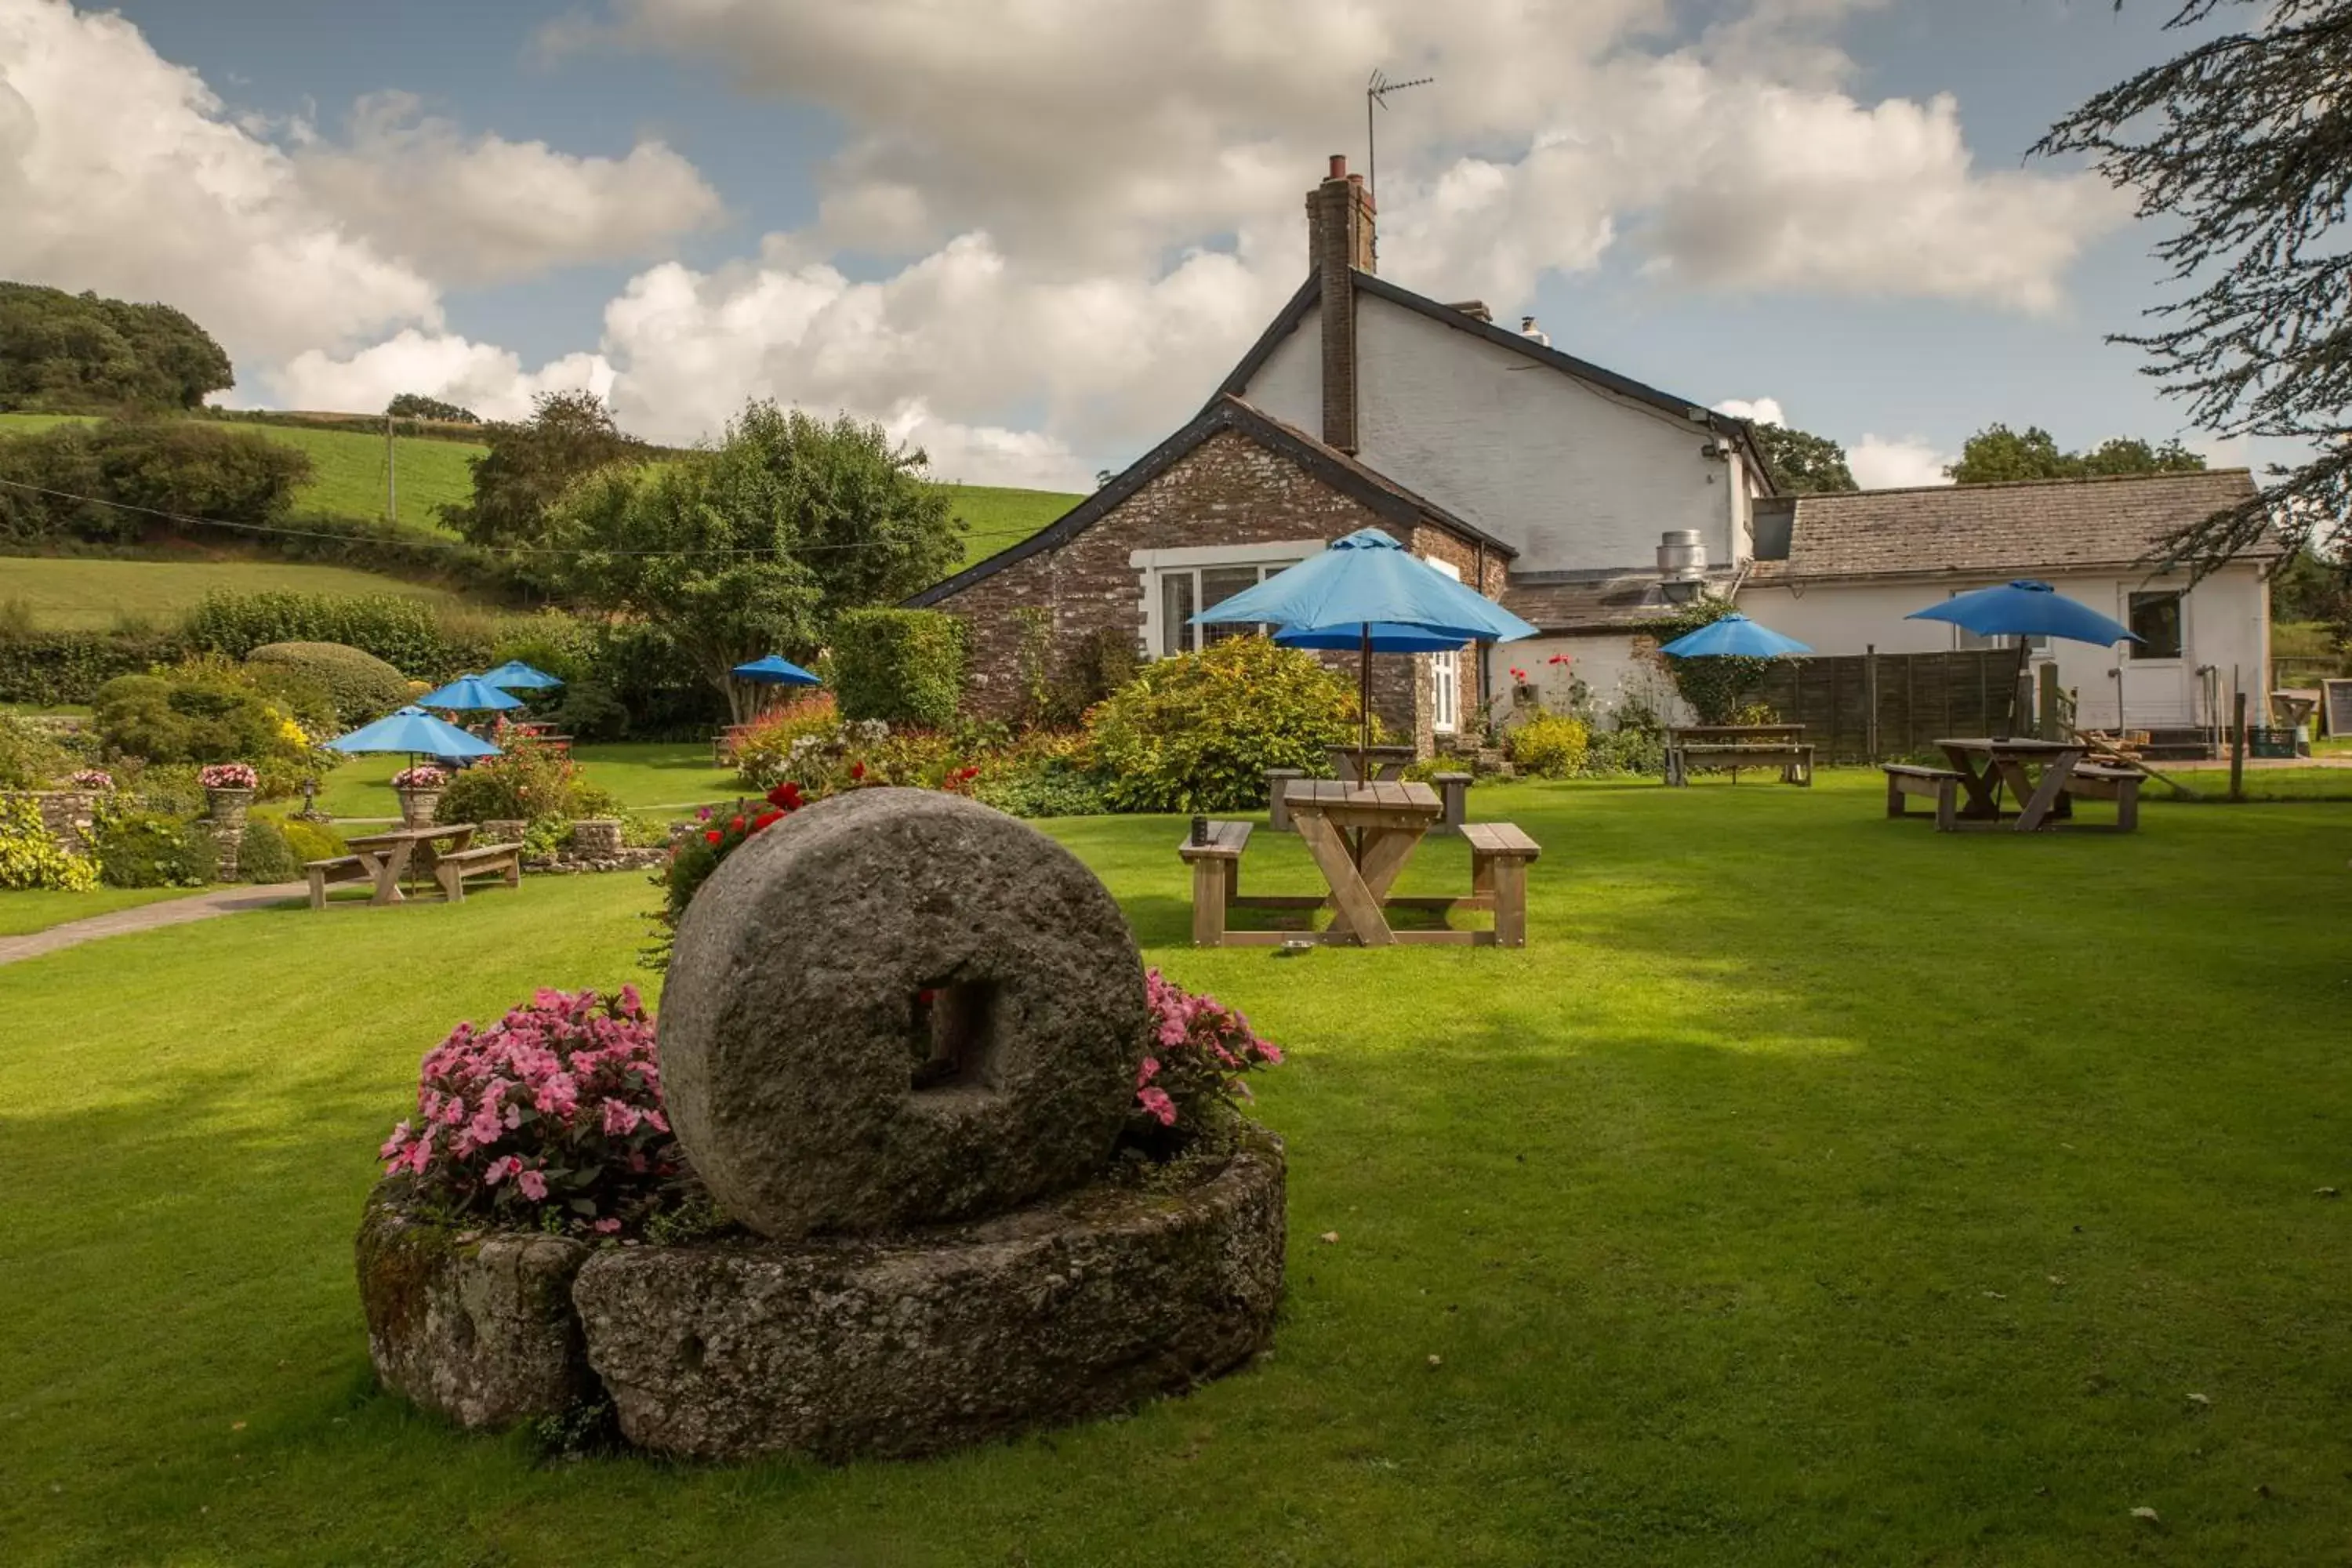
column 596, row 837
column 417, row 806
column 227, row 808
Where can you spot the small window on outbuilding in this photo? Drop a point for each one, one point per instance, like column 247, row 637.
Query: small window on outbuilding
column 2156, row 621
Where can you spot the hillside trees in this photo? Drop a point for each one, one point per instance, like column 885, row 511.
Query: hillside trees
column 751, row 546
column 77, row 353
column 531, row 465
column 1801, row 463
column 1996, row 453
column 417, row 406
column 118, row 480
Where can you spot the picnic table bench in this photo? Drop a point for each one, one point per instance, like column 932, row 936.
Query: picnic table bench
column 1941, row 785
column 1693, row 747
column 1982, row 768
column 340, row 868
column 451, row 869
column 1361, row 835
column 385, row 858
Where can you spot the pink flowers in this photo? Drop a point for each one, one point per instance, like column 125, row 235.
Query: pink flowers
column 229, row 776
column 423, row 776
column 92, row 779
column 557, row 1104
column 1202, row 1047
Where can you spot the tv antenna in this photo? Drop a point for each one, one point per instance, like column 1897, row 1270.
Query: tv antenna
column 1376, row 95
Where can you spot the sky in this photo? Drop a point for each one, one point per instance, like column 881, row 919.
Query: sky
column 1031, row 236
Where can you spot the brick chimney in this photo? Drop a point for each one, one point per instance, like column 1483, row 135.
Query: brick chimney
column 1339, row 245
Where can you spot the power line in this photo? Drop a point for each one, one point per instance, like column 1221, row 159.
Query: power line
column 419, row 543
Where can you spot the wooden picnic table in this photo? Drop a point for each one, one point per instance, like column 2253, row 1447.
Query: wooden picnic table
column 386, row 855
column 1361, row 835
column 1386, row 762
column 1734, row 746
column 1985, row 765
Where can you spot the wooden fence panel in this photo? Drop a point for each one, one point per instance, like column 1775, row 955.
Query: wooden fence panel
column 1920, row 697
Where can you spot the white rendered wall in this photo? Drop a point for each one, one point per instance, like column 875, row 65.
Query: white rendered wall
column 1576, row 479
column 1614, row 667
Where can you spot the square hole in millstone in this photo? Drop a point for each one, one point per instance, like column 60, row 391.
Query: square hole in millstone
column 954, row 1037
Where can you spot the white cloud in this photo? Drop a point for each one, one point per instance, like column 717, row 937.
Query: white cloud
column 119, row 172
column 1761, row 410
column 1881, row 463
column 488, row 209
column 491, row 381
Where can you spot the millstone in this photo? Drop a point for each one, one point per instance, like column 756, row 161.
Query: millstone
column 898, row 1008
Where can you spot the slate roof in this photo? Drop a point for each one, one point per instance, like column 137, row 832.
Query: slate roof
column 1379, row 493
column 2042, row 526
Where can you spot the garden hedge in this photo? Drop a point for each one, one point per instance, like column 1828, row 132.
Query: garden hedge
column 45, row 670
column 903, row 666
column 361, row 686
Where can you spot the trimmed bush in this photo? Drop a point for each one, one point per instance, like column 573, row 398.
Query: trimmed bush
column 206, row 712
column 360, row 686
column 45, row 670
column 1197, row 732
column 403, row 633
column 264, row 854
column 1550, row 746
column 308, row 841
column 902, row 667
column 143, row 850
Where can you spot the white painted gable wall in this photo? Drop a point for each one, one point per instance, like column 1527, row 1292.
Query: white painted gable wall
column 1576, row 477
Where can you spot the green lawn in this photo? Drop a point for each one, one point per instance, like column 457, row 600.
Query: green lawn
column 79, row 594
column 999, row 518
column 1817, row 1188
column 22, row 913
column 643, row 774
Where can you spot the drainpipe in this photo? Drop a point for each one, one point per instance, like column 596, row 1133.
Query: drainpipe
column 1484, row 649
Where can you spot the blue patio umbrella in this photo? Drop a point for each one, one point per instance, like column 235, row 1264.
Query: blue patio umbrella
column 1359, row 584
column 2026, row 608
column 1734, row 636
column 516, row 676
column 1387, row 638
column 773, row 671
column 469, row 692
column 415, row 731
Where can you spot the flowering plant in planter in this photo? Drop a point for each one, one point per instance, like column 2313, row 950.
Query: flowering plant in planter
column 1199, row 1047
column 551, row 1118
column 229, row 776
column 92, row 779
column 421, row 775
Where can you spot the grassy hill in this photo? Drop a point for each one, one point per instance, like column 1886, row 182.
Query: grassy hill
column 75, row 593
column 999, row 518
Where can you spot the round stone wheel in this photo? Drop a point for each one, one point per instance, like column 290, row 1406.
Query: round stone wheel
column 898, row 1008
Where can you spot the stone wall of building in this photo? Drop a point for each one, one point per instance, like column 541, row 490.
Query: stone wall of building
column 1228, row 490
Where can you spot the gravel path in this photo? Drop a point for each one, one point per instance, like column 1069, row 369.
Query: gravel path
column 148, row 916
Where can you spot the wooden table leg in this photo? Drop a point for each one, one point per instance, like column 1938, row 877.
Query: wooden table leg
column 2055, row 774
column 386, row 867
column 1976, row 777
column 1357, row 908
column 1383, row 852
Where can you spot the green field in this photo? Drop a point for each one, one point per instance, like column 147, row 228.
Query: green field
column 1814, row 1189
column 999, row 518
column 81, row 593
column 348, row 474
column 34, row 424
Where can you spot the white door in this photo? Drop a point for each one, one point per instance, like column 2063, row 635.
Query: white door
column 1445, row 673
column 2158, row 678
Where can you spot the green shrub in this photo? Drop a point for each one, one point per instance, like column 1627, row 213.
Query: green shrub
column 30, row 756
column 48, row 668
column 359, row 685
column 107, row 482
column 265, row 854
column 1550, row 746
column 1715, row 687
column 30, row 858
column 210, row 712
column 169, row 788
column 308, row 841
column 528, row 784
column 761, row 756
column 1087, row 671
column 1197, row 732
column 404, row 632
column 901, row 667
column 1637, row 744
column 144, row 849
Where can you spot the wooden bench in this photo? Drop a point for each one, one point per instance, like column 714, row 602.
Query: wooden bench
column 2121, row 785
column 1454, row 789
column 1795, row 762
column 343, row 869
column 452, row 870
column 1500, row 853
column 1941, row 785
column 1216, row 878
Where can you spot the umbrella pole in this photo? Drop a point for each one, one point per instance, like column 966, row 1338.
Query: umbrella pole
column 1364, row 703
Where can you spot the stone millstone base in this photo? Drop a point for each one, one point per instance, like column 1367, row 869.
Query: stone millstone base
column 1072, row 1308
column 476, row 1325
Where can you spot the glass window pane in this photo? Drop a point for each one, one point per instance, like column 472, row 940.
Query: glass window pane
column 1176, row 613
column 2156, row 620
column 1219, row 583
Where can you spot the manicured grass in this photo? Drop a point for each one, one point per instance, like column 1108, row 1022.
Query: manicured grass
column 1001, row 519
column 1817, row 1188
column 76, row 594
column 643, row 774
column 22, row 913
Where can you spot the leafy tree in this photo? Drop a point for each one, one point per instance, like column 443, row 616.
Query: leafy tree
column 417, row 406
column 80, row 353
column 125, row 478
column 531, row 466
column 751, row 546
column 1997, row 454
column 1801, row 464
column 2243, row 147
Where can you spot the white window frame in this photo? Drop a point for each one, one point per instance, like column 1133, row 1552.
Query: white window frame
column 1152, row 565
column 1445, row 672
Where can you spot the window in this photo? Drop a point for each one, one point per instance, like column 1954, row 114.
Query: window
column 2156, row 621
column 1181, row 581
column 1444, row 673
